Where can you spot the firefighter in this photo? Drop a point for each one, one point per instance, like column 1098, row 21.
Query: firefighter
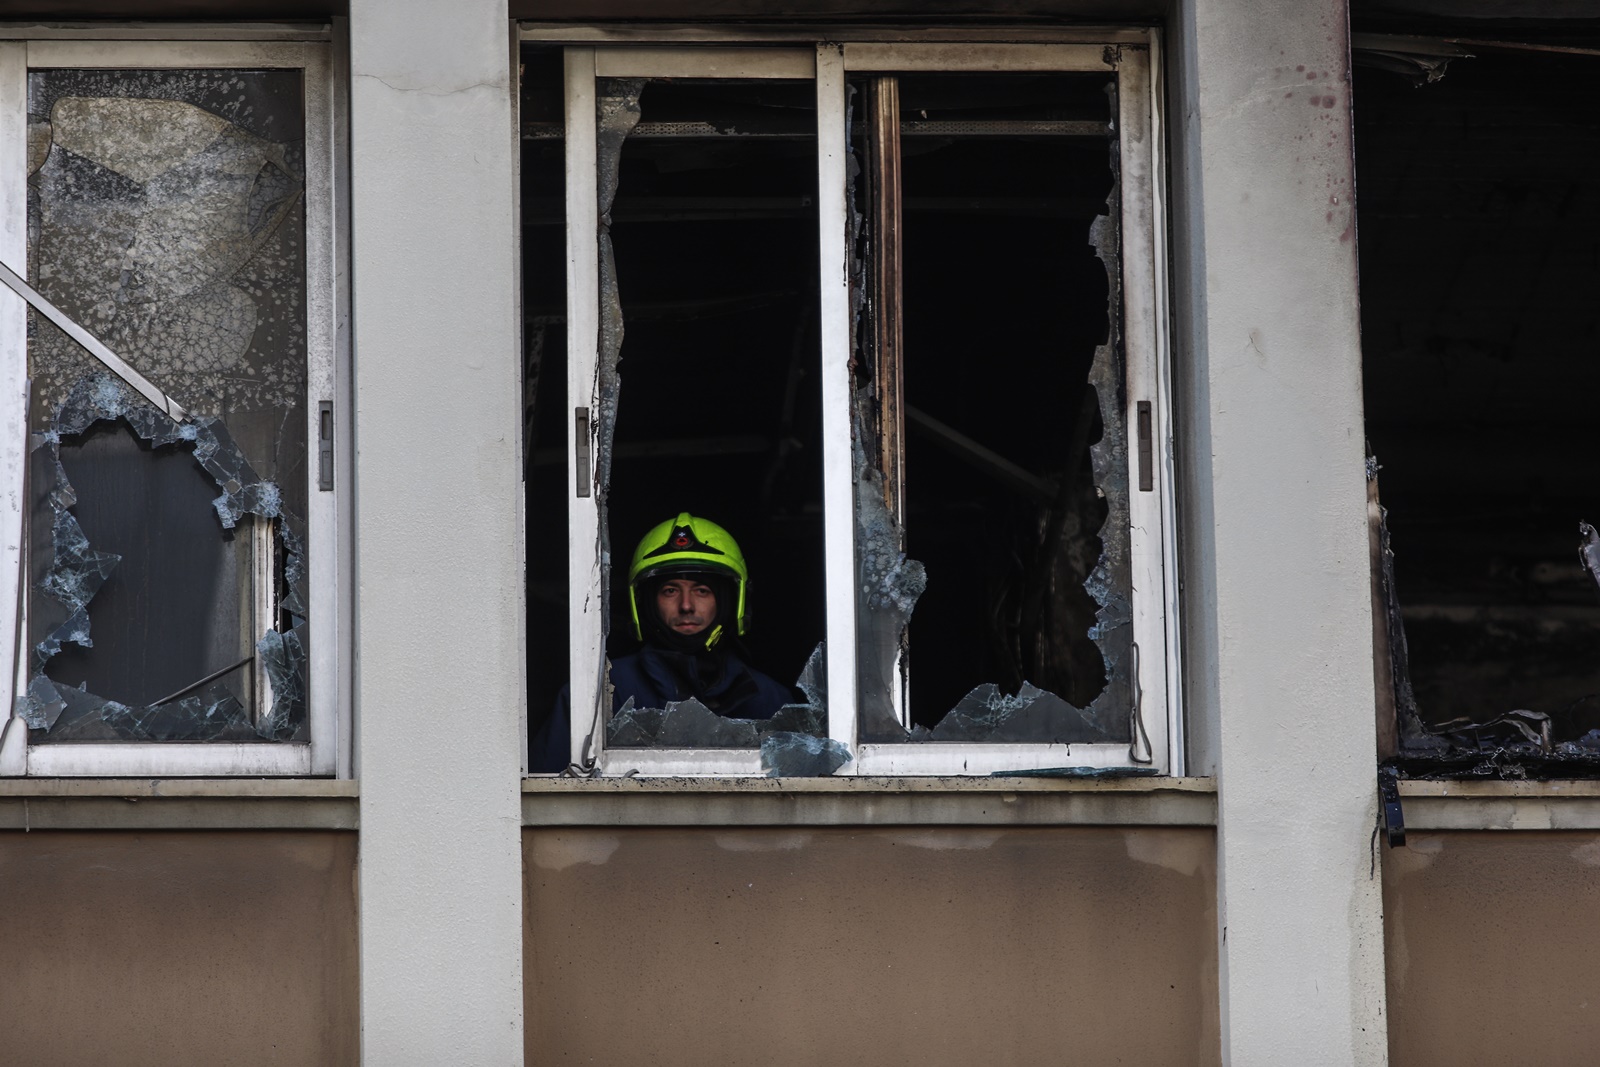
column 686, row 595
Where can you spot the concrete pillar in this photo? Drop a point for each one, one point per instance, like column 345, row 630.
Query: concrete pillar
column 1276, row 576
column 439, row 649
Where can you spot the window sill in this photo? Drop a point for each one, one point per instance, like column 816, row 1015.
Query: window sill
column 1542, row 805
column 178, row 804
column 853, row 801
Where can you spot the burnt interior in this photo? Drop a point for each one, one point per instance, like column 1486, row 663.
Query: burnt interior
column 1005, row 301
column 714, row 228
column 1479, row 225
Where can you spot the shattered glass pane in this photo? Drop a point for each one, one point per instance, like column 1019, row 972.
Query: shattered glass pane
column 167, row 593
column 1008, row 534
column 707, row 263
column 690, row 724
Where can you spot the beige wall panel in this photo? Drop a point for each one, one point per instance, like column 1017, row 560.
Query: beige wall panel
column 1493, row 950
column 171, row 949
column 924, row 946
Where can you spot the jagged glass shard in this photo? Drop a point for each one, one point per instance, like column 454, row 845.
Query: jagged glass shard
column 283, row 657
column 41, row 705
column 75, row 631
column 616, row 114
column 690, row 724
column 633, row 726
column 215, row 715
column 792, row 755
column 813, row 680
column 799, row 718
column 78, row 715
column 888, row 586
column 986, row 714
column 78, row 571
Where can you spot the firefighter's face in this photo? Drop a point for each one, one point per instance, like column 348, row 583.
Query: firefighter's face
column 686, row 605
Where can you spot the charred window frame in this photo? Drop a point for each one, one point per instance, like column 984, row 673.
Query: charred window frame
column 1131, row 244
column 285, row 708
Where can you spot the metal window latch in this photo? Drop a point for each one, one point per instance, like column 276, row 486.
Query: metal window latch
column 580, row 441
column 325, row 446
column 1394, row 819
column 1147, row 476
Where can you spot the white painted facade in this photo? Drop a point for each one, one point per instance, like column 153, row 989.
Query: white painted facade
column 1273, row 554
column 438, row 517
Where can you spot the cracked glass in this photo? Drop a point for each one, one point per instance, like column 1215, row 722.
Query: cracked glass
column 167, row 597
column 990, row 445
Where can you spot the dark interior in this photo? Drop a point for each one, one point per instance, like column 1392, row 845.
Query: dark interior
column 1479, row 230
column 719, row 415
column 1004, row 304
column 715, row 235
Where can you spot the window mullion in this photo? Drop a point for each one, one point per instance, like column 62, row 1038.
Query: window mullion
column 1141, row 331
column 586, row 658
column 13, row 387
column 837, row 490
column 327, row 569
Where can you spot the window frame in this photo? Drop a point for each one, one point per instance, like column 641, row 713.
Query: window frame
column 327, row 750
column 1135, row 59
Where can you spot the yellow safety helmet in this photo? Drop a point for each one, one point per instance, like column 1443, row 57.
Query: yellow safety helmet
column 686, row 545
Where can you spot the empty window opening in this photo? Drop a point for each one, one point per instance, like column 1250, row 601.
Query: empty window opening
column 1479, row 204
column 929, row 264
column 707, row 386
column 985, row 345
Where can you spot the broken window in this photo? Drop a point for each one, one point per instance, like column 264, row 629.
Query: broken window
column 889, row 314
column 178, row 465
column 1477, row 218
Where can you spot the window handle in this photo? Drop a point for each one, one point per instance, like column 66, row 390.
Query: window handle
column 325, row 445
column 1147, row 477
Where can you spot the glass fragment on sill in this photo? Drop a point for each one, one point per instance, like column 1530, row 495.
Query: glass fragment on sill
column 76, row 572
column 690, row 724
column 797, row 755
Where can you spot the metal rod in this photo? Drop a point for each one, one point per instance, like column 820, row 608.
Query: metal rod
column 985, row 459
column 192, row 686
column 92, row 345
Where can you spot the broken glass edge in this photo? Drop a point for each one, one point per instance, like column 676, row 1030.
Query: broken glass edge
column 617, row 112
column 889, row 583
column 690, row 724
column 77, row 572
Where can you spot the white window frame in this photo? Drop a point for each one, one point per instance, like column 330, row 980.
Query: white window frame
column 327, row 750
column 1135, row 58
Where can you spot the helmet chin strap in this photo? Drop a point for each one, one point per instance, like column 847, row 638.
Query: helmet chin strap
column 713, row 637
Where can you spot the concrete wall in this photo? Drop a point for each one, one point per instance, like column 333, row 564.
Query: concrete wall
column 439, row 652
column 912, row 945
column 1276, row 580
column 1493, row 952
column 169, row 949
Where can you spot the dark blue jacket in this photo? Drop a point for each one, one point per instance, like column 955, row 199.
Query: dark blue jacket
column 739, row 691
